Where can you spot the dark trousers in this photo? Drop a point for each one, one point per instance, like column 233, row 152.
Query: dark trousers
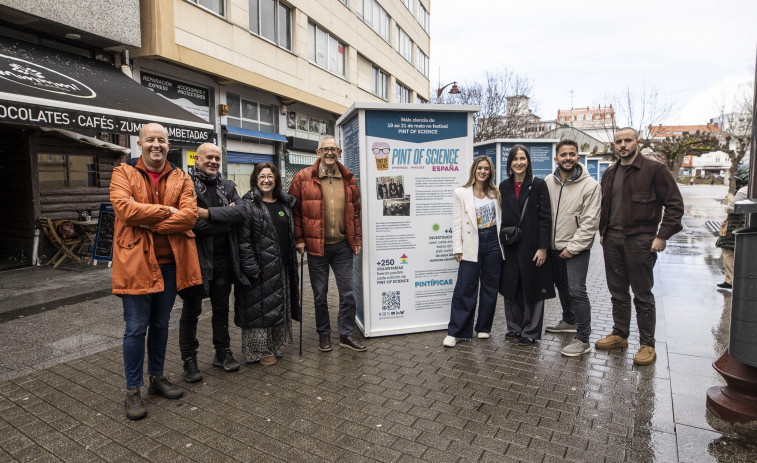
column 220, row 289
column 472, row 277
column 523, row 318
column 629, row 262
column 570, row 280
column 339, row 257
column 146, row 316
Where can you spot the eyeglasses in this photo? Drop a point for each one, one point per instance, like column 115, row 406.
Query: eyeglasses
column 380, row 150
column 328, row 150
column 266, row 177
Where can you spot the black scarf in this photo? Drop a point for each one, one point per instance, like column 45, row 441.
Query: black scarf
column 202, row 179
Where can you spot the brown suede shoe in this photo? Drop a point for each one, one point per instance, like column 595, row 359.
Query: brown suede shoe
column 645, row 356
column 324, row 343
column 351, row 342
column 612, row 341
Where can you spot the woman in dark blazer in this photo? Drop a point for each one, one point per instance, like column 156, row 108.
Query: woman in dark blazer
column 526, row 278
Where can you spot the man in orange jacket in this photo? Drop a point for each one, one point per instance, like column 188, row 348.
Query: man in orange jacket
column 154, row 256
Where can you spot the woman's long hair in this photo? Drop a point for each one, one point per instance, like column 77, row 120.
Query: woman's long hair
column 274, row 170
column 513, row 151
column 490, row 188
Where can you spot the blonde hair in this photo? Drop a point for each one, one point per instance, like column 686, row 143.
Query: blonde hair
column 490, row 188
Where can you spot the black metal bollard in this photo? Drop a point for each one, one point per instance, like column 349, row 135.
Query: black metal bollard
column 743, row 340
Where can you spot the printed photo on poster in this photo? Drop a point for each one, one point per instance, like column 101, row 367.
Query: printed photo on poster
column 292, row 120
column 397, row 207
column 302, row 122
column 390, row 187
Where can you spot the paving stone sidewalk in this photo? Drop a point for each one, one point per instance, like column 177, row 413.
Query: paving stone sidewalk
column 406, row 399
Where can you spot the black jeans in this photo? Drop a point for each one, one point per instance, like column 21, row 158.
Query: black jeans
column 630, row 263
column 220, row 289
column 570, row 280
column 339, row 257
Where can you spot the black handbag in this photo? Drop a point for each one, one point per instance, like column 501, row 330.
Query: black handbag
column 512, row 235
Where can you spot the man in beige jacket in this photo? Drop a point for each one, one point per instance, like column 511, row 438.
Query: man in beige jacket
column 576, row 200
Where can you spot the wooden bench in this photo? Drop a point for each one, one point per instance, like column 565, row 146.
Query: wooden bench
column 713, row 226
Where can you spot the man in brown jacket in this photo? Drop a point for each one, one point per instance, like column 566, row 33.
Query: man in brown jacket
column 327, row 226
column 641, row 209
column 154, row 256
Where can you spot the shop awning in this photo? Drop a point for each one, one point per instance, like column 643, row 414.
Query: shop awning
column 87, row 140
column 235, row 157
column 300, row 158
column 241, row 133
column 49, row 88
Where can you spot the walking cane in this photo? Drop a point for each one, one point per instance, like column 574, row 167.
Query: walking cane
column 302, row 283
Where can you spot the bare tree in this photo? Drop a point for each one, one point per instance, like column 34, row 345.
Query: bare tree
column 503, row 97
column 673, row 149
column 638, row 108
column 736, row 119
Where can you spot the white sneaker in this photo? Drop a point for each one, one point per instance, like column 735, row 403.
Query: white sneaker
column 449, row 341
column 482, row 335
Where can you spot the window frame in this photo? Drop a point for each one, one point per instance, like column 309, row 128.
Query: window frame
column 422, row 16
column 222, row 3
column 66, row 164
column 277, row 6
column 398, row 89
column 313, row 50
column 269, row 126
column 378, row 74
column 376, row 10
column 422, row 61
column 401, row 34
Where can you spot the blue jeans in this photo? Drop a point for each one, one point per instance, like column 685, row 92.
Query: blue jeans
column 472, row 277
column 339, row 257
column 145, row 311
column 570, row 279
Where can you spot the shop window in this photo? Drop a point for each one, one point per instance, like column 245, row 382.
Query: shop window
column 250, row 114
column 216, row 6
column 325, row 50
column 271, row 20
column 303, row 125
column 66, row 171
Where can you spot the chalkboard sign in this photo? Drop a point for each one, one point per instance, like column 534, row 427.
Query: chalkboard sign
column 103, row 249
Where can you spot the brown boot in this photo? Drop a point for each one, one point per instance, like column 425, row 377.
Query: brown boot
column 645, row 356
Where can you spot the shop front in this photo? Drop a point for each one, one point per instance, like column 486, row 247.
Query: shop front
column 56, row 110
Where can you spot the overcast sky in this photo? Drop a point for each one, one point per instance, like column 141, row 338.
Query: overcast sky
column 694, row 52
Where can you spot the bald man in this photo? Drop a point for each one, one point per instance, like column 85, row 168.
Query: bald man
column 218, row 253
column 154, row 256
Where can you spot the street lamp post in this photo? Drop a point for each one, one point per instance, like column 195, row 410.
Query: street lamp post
column 453, row 91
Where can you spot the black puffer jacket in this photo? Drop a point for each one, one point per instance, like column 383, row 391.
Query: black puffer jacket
column 261, row 303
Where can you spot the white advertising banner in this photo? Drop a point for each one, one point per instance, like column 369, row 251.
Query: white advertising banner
column 411, row 163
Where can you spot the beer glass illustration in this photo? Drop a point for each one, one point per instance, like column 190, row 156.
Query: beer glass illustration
column 381, row 151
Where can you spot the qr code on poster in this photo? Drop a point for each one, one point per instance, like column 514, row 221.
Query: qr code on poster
column 390, row 300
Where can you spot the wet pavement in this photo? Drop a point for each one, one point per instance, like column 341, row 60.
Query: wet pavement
column 405, row 399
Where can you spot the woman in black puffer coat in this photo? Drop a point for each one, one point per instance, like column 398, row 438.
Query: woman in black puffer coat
column 265, row 309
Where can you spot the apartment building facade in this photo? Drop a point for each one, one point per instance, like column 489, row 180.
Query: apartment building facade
column 273, row 76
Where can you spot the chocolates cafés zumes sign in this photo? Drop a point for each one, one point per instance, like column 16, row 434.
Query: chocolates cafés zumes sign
column 68, row 115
